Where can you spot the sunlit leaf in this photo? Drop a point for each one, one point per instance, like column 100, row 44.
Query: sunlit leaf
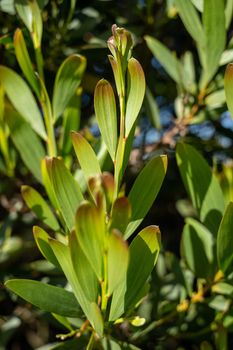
column 105, row 109
column 206, row 195
column 150, row 180
column 86, row 156
column 66, row 189
column 24, row 61
column 121, row 214
column 45, row 296
column 67, row 80
column 90, row 230
column 118, row 258
column 39, row 206
column 135, row 93
column 42, row 240
column 225, row 241
column 22, row 99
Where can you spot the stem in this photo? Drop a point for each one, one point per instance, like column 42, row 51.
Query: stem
column 104, row 297
column 39, row 62
column 91, row 342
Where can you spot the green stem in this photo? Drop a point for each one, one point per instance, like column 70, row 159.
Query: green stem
column 91, row 342
column 39, row 62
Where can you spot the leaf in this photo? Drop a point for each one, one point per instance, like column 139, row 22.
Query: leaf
column 39, row 206
column 91, row 310
column 206, row 195
column 24, row 61
column 46, row 297
column 166, row 58
column 26, row 142
column 67, row 80
column 105, row 109
column 191, row 20
column 143, row 252
column 213, row 17
column 86, row 156
column 225, row 241
column 198, row 249
column 71, row 121
column 152, row 109
column 42, row 240
column 22, row 99
column 226, row 57
column 90, row 230
column 66, row 190
column 135, row 93
column 121, row 214
column 228, row 13
column 83, row 269
column 24, row 11
column 228, row 85
column 145, row 190
column 118, row 258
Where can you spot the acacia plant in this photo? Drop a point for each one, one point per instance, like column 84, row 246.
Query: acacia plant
column 108, row 276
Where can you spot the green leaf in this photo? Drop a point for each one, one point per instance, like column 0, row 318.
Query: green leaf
column 91, row 310
column 46, row 297
column 152, row 109
column 42, row 240
column 66, row 189
column 121, row 214
column 90, row 230
column 26, row 142
column 24, row 61
column 135, row 93
column 22, row 99
column 198, row 249
column 167, row 59
column 191, row 20
column 105, row 109
column 86, row 156
column 39, row 206
column 145, row 190
column 67, row 80
column 228, row 85
column 225, row 241
column 71, row 121
column 143, row 252
column 118, row 259
column 83, row 269
column 228, row 12
column 206, row 195
column 213, row 17
column 24, row 11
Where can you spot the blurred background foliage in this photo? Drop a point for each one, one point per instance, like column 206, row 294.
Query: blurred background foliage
column 171, row 111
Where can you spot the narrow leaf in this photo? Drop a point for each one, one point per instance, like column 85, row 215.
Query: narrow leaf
column 135, row 93
column 206, row 195
column 42, row 240
column 22, row 99
column 39, row 206
column 225, row 241
column 66, row 190
column 152, row 109
column 150, row 180
column 191, row 20
column 121, row 214
column 86, row 156
column 26, row 142
column 118, row 258
column 166, row 58
column 90, row 230
column 46, row 297
column 105, row 109
column 24, row 61
column 67, row 80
